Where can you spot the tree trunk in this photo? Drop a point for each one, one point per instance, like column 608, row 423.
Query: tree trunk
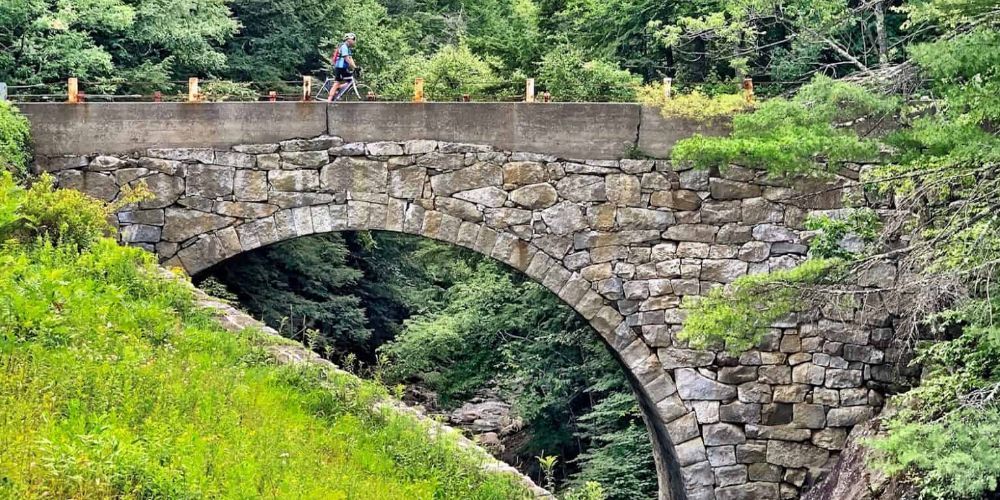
column 880, row 40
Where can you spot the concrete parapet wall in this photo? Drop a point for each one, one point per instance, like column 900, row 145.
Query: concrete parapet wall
column 569, row 130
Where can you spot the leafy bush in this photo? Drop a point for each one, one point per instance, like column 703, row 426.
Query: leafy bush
column 694, row 105
column 14, row 139
column 448, row 74
column 223, row 90
column 794, row 135
column 114, row 385
column 569, row 75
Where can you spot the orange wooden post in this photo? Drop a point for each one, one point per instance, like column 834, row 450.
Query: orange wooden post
column 193, row 94
column 529, row 90
column 748, row 90
column 157, row 96
column 546, row 96
column 272, row 96
column 667, row 83
column 370, row 96
column 466, row 98
column 306, row 87
column 418, row 90
column 72, row 91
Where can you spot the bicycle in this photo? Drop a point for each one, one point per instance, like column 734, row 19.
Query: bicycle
column 348, row 92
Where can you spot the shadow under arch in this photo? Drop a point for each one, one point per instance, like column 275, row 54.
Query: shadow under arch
column 653, row 387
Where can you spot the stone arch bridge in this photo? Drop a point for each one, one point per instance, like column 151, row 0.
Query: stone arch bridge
column 544, row 189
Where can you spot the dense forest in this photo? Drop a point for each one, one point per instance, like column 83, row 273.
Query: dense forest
column 576, row 49
column 910, row 89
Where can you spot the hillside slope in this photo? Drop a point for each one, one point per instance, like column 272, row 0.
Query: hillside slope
column 115, row 383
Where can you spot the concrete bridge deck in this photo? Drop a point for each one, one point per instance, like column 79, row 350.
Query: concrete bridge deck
column 543, row 188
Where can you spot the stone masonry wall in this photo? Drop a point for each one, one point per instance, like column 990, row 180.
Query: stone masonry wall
column 620, row 241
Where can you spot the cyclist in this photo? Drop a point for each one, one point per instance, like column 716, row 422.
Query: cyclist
column 343, row 65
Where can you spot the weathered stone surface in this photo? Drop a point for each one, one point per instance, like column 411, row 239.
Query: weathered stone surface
column 462, row 209
column 582, row 188
column 140, row 233
column 293, row 180
column 534, row 196
column 250, row 185
column 789, row 454
column 407, row 182
column 304, row 159
column 384, row 149
column 233, row 159
column 474, row 177
column 99, row 185
column 722, row 271
column 256, row 149
column 488, row 196
column 691, row 232
column 182, row 224
column 200, row 155
column 523, row 173
column 320, row 143
column 748, row 491
column 622, row 190
column 722, row 434
column 691, row 385
column 849, row 416
column 672, row 358
column 643, row 218
column 245, row 210
column 419, row 146
column 682, row 199
column 209, row 181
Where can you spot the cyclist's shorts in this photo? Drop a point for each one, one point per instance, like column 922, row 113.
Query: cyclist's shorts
column 343, row 74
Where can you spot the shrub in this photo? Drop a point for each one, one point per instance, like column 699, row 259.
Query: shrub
column 568, row 75
column 694, row 105
column 794, row 135
column 14, row 140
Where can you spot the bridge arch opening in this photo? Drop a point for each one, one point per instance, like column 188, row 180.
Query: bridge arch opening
column 641, row 376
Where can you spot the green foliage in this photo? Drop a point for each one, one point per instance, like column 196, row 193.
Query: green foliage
column 223, row 90
column 300, row 285
column 108, row 41
column 694, row 105
column 862, row 224
column 112, row 384
column 570, row 75
column 738, row 315
column 957, row 457
column 15, row 136
column 792, row 135
column 67, row 217
column 449, row 74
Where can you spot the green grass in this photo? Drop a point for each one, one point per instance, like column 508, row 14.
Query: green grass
column 112, row 384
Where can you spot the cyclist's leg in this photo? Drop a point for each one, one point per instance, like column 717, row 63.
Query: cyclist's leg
column 327, row 86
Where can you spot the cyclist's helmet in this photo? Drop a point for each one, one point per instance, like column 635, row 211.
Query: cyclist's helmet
column 350, row 36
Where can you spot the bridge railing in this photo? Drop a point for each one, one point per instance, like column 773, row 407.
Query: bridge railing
column 76, row 91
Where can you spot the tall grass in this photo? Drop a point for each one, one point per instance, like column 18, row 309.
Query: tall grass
column 113, row 384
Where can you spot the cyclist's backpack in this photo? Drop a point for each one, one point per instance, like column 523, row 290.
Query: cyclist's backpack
column 335, row 57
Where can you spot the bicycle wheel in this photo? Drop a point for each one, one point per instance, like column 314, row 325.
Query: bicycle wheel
column 349, row 94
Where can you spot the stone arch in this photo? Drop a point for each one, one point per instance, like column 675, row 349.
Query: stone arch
column 620, row 241
column 652, row 386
